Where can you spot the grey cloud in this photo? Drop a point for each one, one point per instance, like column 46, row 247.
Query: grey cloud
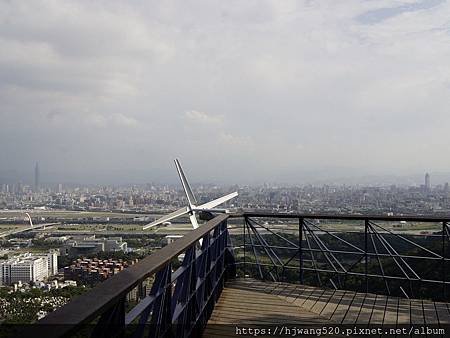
column 381, row 14
column 263, row 90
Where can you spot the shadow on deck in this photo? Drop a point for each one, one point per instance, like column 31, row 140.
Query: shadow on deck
column 255, row 303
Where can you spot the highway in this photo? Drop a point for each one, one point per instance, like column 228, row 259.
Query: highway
column 34, row 227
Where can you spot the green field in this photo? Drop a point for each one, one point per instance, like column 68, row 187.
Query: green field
column 68, row 214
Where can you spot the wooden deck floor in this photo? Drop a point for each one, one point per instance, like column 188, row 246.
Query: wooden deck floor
column 248, row 301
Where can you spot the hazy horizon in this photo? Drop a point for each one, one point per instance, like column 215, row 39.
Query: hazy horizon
column 170, row 177
column 242, row 92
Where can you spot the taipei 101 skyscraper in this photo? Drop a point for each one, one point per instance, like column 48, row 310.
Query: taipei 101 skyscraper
column 36, row 177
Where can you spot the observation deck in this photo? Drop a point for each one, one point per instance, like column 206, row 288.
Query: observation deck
column 270, row 269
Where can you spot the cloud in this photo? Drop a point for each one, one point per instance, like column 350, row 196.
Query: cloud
column 235, row 140
column 124, row 121
column 98, row 120
column 203, row 118
column 381, row 14
column 359, row 84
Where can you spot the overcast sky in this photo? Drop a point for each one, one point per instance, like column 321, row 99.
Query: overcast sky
column 240, row 91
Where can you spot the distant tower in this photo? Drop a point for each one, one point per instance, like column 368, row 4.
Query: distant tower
column 36, row 177
column 427, row 182
column 130, row 201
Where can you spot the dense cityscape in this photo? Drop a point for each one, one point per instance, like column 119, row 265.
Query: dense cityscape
column 90, row 233
column 156, row 198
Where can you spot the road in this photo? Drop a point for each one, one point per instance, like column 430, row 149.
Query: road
column 34, row 227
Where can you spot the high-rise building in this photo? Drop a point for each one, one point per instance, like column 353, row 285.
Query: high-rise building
column 28, row 267
column 52, row 262
column 36, row 177
column 427, row 182
column 24, row 268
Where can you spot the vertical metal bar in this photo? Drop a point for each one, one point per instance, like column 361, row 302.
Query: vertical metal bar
column 396, row 254
column 380, row 264
column 245, row 244
column 111, row 322
column 263, row 242
column 314, row 265
column 230, row 261
column 325, row 251
column 366, row 229
column 267, row 250
column 256, row 257
column 300, row 249
column 444, row 225
column 391, row 252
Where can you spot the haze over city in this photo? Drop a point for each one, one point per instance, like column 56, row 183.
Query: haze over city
column 255, row 91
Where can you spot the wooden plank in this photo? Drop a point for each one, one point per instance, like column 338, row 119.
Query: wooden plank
column 288, row 289
column 247, row 288
column 353, row 312
column 404, row 312
column 233, row 319
column 332, row 304
column 322, row 301
column 269, row 287
column 246, row 307
column 344, row 305
column 443, row 313
column 390, row 316
column 241, row 305
column 298, row 292
column 417, row 312
column 250, row 294
column 268, row 317
column 366, row 310
column 252, row 303
column 378, row 310
column 300, row 297
column 277, row 287
column 253, row 285
column 313, row 298
column 227, row 314
column 430, row 314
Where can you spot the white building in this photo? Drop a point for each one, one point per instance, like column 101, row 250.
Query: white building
column 92, row 245
column 28, row 268
column 52, row 262
column 24, row 268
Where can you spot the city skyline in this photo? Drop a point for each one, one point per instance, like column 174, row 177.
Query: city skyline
column 266, row 91
column 374, row 180
column 439, row 180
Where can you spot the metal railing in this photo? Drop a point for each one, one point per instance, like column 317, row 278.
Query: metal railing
column 180, row 300
column 362, row 253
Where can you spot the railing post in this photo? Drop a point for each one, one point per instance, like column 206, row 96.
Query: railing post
column 111, row 322
column 245, row 244
column 161, row 317
column 444, row 278
column 141, row 291
column 366, row 230
column 300, row 249
column 230, row 258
